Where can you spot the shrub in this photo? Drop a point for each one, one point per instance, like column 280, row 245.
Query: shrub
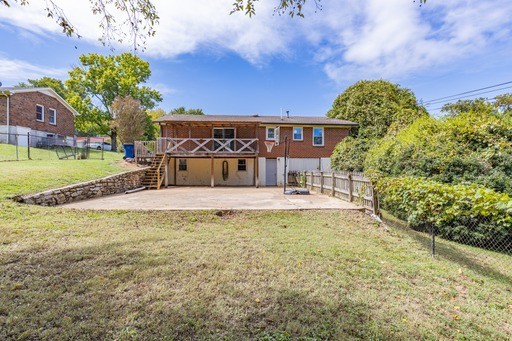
column 470, row 214
column 350, row 153
column 471, row 147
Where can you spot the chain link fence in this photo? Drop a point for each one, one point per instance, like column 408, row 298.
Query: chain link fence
column 19, row 147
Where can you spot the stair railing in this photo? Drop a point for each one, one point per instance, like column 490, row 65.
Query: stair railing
column 159, row 178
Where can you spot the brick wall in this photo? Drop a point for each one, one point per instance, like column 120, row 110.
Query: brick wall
column 23, row 113
column 304, row 148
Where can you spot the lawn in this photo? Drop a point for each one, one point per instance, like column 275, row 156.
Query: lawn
column 69, row 274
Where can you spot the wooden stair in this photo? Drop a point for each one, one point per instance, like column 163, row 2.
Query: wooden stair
column 155, row 175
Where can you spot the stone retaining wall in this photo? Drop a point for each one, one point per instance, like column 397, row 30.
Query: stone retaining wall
column 113, row 184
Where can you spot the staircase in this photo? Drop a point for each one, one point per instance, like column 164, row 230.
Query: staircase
column 155, row 175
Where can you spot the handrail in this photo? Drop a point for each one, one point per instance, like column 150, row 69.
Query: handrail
column 159, row 181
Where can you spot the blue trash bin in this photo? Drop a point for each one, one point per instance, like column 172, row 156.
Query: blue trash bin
column 129, row 151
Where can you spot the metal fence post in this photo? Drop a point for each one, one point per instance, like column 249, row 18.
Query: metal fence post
column 433, row 238
column 16, row 143
column 28, row 145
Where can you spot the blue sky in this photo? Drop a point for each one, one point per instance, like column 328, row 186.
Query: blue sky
column 202, row 57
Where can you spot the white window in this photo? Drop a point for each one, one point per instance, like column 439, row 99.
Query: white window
column 318, row 136
column 242, row 165
column 271, row 133
column 182, row 166
column 52, row 116
column 39, row 113
column 297, row 134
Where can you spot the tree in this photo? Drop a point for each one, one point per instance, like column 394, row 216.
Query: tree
column 129, row 119
column 93, row 87
column 290, row 7
column 376, row 106
column 379, row 107
column 46, row 82
column 467, row 105
column 183, row 111
column 504, row 103
column 119, row 19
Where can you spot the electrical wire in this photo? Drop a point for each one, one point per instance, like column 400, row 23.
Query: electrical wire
column 467, row 92
column 472, row 95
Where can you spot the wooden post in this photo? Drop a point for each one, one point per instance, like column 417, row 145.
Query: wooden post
column 321, row 182
column 175, row 171
column 212, row 173
column 350, row 187
column 305, row 179
column 333, row 187
column 256, row 172
column 166, row 171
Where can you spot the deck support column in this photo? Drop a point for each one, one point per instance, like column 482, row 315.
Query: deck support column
column 212, row 173
column 256, row 173
column 166, row 171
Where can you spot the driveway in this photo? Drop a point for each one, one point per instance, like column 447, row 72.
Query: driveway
column 207, row 198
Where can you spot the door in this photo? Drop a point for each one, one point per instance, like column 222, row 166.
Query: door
column 271, row 172
column 224, row 137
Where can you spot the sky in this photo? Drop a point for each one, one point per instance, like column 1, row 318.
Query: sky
column 203, row 57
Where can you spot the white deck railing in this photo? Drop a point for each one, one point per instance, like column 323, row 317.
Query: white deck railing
column 195, row 146
column 200, row 146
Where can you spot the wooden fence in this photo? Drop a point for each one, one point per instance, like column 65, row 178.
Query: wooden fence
column 348, row 186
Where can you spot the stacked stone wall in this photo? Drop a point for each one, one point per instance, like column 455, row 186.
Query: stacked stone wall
column 113, row 184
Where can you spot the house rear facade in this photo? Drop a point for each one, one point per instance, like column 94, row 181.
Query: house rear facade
column 222, row 150
column 38, row 111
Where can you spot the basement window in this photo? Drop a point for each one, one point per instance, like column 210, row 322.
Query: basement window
column 39, row 113
column 242, row 165
column 182, row 165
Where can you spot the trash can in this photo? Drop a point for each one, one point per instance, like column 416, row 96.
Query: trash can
column 129, row 151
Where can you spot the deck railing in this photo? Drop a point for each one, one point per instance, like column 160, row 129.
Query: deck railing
column 204, row 146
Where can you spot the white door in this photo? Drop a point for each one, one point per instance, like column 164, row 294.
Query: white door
column 271, row 172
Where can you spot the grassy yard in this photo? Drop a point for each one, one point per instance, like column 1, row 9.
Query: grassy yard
column 68, row 274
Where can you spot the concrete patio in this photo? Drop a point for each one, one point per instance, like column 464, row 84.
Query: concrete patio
column 218, row 198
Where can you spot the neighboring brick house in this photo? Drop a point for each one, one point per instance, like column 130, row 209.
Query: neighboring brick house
column 38, row 111
column 242, row 150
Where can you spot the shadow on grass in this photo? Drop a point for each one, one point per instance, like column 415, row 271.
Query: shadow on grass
column 125, row 291
column 454, row 254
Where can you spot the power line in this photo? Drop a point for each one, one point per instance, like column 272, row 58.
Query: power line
column 468, row 92
column 472, row 95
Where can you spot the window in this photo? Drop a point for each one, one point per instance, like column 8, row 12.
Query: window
column 318, row 136
column 52, row 116
column 271, row 133
column 182, row 166
column 225, row 138
column 242, row 165
column 297, row 133
column 39, row 113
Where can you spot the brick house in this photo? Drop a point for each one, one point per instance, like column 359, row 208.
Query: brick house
column 38, row 111
column 243, row 150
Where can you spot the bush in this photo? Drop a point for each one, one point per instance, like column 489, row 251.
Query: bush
column 350, row 153
column 469, row 214
column 471, row 147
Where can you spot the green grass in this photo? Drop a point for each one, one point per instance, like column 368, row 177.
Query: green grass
column 71, row 274
column 30, row 176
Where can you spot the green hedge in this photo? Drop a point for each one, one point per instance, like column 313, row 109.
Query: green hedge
column 470, row 214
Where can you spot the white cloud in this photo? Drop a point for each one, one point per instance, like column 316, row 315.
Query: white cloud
column 11, row 71
column 352, row 39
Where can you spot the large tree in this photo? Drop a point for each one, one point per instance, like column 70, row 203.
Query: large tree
column 379, row 107
column 93, row 86
column 184, row 111
column 45, row 82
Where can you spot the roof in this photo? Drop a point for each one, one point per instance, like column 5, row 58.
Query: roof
column 47, row 91
column 274, row 120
